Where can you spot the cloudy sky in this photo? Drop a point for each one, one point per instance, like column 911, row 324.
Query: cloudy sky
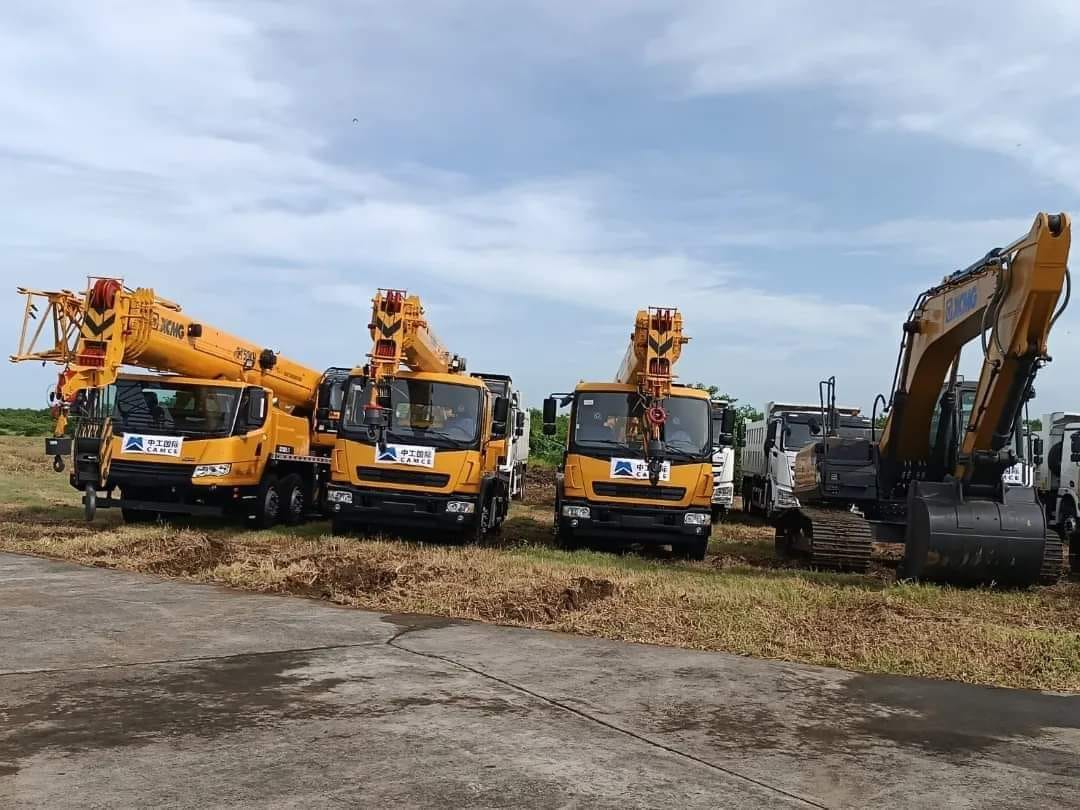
column 789, row 174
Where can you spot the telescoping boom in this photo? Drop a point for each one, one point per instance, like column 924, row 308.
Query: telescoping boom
column 223, row 425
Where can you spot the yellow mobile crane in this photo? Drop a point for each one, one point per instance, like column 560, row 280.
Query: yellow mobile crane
column 415, row 448
column 224, row 427
column 934, row 478
column 638, row 460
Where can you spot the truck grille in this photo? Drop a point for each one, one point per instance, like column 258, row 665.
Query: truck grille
column 392, row 476
column 150, row 474
column 643, row 491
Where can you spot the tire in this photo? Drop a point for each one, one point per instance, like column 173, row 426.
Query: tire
column 89, row 502
column 135, row 517
column 747, row 496
column 293, row 501
column 339, row 527
column 477, row 532
column 696, row 549
column 1066, row 520
column 718, row 513
column 267, row 509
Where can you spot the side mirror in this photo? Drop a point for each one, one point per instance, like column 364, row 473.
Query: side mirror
column 257, row 406
column 501, row 411
column 551, row 410
column 1037, row 446
column 519, row 424
column 769, row 444
column 1074, row 443
column 1038, row 460
column 727, row 422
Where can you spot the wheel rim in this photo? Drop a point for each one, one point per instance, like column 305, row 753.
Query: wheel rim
column 273, row 503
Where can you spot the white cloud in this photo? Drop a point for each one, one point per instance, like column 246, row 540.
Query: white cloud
column 1002, row 77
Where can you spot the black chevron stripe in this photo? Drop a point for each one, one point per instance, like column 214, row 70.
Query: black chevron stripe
column 664, row 348
column 391, row 330
column 91, row 329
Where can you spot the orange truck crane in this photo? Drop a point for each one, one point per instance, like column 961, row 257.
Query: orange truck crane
column 418, row 447
column 224, row 426
column 638, row 460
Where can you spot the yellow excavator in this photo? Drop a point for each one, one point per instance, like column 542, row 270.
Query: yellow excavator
column 416, row 449
column 638, row 460
column 224, row 426
column 933, row 478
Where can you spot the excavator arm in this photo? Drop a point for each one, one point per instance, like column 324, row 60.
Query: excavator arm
column 1010, row 295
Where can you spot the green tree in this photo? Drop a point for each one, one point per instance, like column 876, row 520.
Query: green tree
column 547, row 449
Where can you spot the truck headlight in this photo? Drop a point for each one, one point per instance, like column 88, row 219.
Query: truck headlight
column 697, row 518
column 786, row 499
column 460, row 507
column 339, row 496
column 579, row 512
column 211, row 470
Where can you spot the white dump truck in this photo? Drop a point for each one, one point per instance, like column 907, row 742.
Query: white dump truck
column 1056, row 455
column 768, row 453
column 723, row 457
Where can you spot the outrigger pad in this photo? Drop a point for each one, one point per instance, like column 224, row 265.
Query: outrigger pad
column 972, row 540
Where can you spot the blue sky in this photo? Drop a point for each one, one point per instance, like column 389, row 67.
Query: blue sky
column 790, row 174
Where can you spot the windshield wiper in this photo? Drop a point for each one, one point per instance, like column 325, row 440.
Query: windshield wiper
column 686, row 454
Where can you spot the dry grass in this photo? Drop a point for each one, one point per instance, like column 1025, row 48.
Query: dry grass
column 739, row 600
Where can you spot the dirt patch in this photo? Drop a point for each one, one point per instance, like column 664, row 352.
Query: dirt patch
column 183, row 554
column 540, row 486
column 546, row 603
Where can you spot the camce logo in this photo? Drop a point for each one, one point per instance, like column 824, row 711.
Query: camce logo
column 133, row 444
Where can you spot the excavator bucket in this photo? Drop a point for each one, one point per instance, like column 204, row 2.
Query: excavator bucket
column 961, row 540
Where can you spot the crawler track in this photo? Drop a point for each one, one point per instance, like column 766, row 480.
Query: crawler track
column 1053, row 560
column 830, row 539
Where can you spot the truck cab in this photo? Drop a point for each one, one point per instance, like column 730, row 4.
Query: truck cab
column 603, row 488
column 772, row 446
column 510, row 438
column 432, row 467
column 723, row 457
column 164, row 445
column 1056, row 456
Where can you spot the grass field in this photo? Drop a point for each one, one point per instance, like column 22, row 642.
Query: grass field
column 739, row 600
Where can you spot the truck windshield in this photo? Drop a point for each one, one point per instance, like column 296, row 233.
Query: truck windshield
column 610, row 422
column 799, row 434
column 433, row 414
column 174, row 409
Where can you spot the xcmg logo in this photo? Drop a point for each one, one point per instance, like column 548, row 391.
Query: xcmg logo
column 171, row 328
column 961, row 304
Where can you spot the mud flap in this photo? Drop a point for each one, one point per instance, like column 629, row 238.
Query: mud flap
column 951, row 538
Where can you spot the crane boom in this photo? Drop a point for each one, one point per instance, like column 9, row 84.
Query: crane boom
column 97, row 333
column 655, row 346
column 402, row 336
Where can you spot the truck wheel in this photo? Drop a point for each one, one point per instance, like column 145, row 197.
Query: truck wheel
column 718, row 513
column 1070, row 533
column 476, row 533
column 339, row 527
column 89, row 502
column 747, row 496
column 293, row 502
column 137, row 516
column 267, row 507
column 696, row 549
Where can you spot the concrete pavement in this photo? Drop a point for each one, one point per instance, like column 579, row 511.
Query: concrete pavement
column 123, row 690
